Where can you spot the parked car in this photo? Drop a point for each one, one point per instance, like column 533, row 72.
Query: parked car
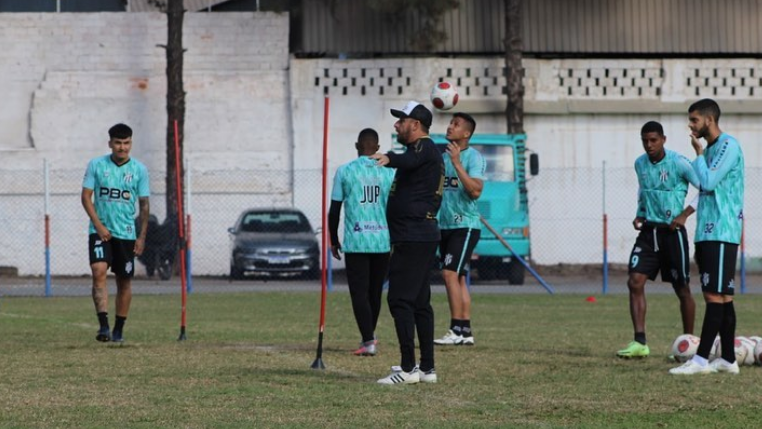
column 274, row 242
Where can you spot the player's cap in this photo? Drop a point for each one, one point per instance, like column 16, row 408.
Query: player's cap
column 414, row 110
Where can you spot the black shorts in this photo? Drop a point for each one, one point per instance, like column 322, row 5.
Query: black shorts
column 716, row 262
column 661, row 249
column 456, row 247
column 118, row 254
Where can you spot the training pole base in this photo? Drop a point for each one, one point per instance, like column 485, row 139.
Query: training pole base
column 182, row 336
column 318, row 364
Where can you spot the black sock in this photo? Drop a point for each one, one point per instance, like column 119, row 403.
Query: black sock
column 103, row 319
column 455, row 326
column 119, row 324
column 728, row 333
column 640, row 337
column 465, row 328
column 712, row 322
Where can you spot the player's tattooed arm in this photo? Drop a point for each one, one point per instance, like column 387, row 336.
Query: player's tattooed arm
column 145, row 210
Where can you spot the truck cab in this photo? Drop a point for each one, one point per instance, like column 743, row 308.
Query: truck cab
column 503, row 205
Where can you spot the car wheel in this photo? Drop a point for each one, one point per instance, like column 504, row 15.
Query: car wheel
column 165, row 269
column 515, row 273
column 236, row 273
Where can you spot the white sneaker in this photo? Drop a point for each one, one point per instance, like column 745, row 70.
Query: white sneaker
column 450, row 339
column 429, row 376
column 468, row 341
column 721, row 365
column 398, row 376
column 691, row 367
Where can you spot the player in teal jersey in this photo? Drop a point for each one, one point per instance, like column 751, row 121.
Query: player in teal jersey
column 719, row 224
column 363, row 187
column 111, row 185
column 662, row 244
column 460, row 224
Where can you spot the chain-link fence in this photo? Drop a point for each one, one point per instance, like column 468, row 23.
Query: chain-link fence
column 567, row 207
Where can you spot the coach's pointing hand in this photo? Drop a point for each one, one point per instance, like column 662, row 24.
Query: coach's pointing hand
column 380, row 158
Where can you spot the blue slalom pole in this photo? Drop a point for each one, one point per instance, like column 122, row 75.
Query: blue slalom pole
column 48, row 286
column 605, row 236
column 518, row 257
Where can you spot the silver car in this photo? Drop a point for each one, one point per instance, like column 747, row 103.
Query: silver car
column 274, row 242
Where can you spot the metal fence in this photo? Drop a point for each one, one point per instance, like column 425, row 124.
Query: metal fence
column 566, row 210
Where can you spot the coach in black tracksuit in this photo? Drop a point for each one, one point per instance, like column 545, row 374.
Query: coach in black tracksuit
column 411, row 213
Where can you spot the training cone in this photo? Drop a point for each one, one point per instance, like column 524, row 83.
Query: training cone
column 590, row 299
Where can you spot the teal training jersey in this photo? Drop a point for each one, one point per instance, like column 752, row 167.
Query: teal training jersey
column 116, row 189
column 663, row 186
column 363, row 188
column 458, row 209
column 720, row 206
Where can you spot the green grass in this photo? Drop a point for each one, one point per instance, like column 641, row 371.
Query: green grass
column 540, row 361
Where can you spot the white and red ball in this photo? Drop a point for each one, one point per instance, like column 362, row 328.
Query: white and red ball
column 444, row 96
column 684, row 347
column 757, row 349
column 740, row 348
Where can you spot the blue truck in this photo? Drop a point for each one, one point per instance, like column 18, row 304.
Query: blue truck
column 503, row 205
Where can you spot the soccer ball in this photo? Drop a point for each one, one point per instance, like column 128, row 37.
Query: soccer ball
column 444, row 96
column 758, row 353
column 748, row 344
column 684, row 347
column 739, row 347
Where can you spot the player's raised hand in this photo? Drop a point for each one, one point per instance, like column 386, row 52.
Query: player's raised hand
column 454, row 150
column 697, row 146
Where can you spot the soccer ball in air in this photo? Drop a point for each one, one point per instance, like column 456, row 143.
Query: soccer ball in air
column 444, row 96
column 684, row 347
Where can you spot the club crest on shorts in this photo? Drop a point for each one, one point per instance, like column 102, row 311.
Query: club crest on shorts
column 128, row 267
column 704, row 279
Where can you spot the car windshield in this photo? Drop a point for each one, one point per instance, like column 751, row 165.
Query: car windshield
column 499, row 160
column 284, row 222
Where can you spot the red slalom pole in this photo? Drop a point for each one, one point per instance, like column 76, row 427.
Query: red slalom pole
column 181, row 233
column 318, row 363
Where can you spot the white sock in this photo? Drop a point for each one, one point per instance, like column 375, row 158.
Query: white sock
column 700, row 360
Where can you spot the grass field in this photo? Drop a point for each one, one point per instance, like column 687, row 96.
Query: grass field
column 540, row 361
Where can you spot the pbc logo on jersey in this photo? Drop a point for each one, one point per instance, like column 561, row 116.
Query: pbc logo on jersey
column 115, row 194
column 451, row 182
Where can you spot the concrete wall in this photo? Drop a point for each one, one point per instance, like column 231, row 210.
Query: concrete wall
column 254, row 125
column 66, row 78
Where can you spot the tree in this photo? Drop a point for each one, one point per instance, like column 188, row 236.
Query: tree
column 514, row 70
column 175, row 104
